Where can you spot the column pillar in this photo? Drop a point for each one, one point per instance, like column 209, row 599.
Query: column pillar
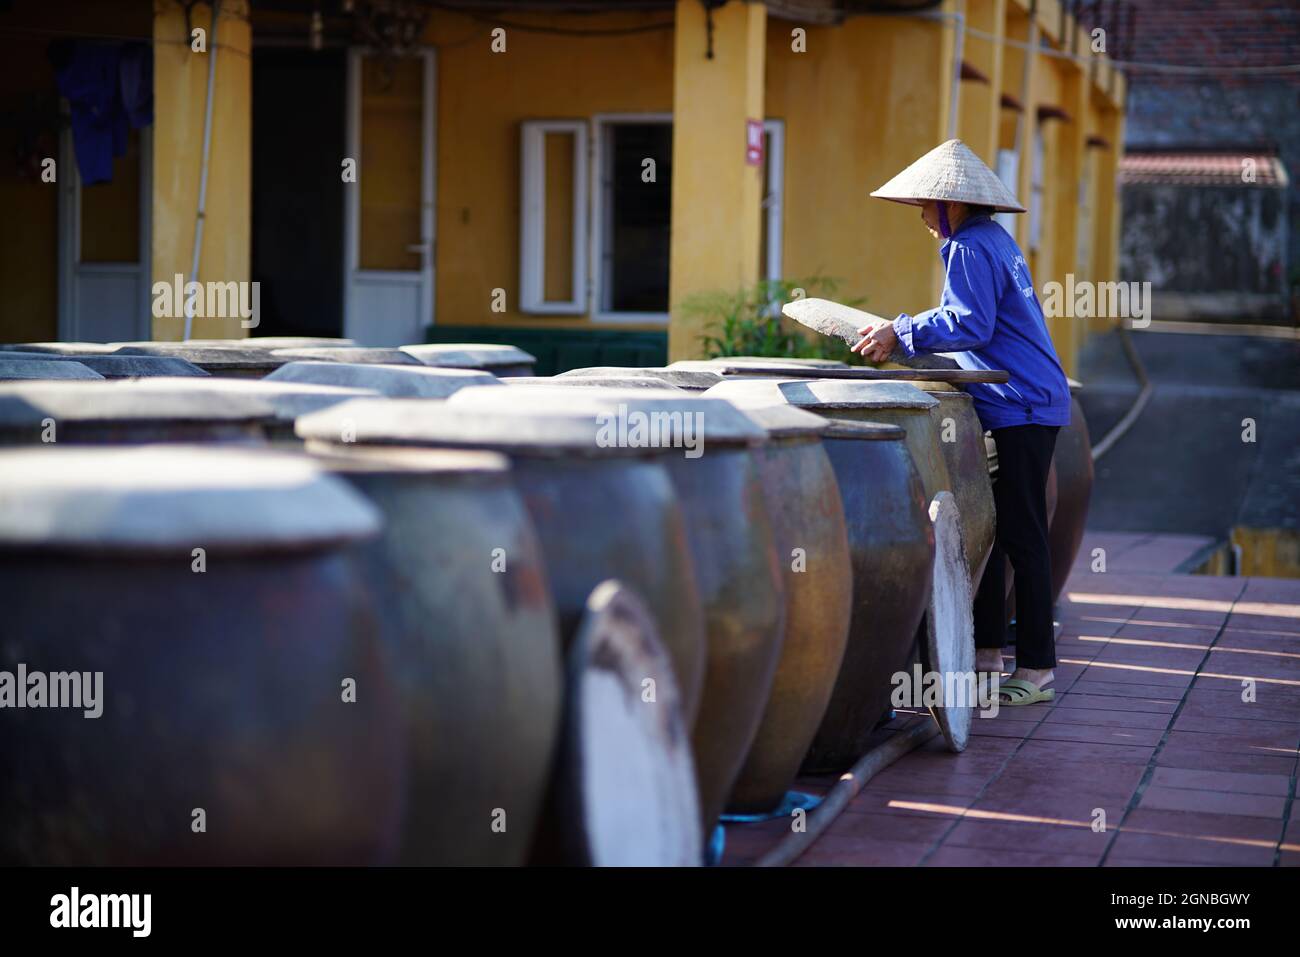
column 717, row 193
column 180, row 91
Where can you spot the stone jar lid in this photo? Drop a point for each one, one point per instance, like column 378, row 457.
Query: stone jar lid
column 141, row 367
column 394, row 381
column 594, row 382
column 112, row 366
column 26, row 405
column 171, row 499
column 378, row 460
column 785, row 421
column 530, row 427
column 468, row 355
column 824, row 394
column 269, row 343
column 208, row 358
column 354, row 354
column 63, row 348
column 717, row 421
column 287, row 400
column 696, row 380
column 724, row 361
column 435, row 424
column 863, row 431
column 55, row 368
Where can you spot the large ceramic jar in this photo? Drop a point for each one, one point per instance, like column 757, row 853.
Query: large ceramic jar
column 891, row 541
column 708, row 448
column 210, row 603
column 600, row 510
column 1074, row 477
column 469, row 632
column 807, row 515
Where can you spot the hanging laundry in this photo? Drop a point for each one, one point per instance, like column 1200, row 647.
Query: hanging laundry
column 109, row 88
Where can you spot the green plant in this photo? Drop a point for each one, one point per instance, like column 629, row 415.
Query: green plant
column 748, row 322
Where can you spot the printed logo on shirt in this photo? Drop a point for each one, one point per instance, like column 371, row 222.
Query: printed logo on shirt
column 1022, row 278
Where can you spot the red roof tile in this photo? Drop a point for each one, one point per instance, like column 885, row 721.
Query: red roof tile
column 1222, row 168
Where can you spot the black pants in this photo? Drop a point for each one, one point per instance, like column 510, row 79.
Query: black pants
column 1020, row 496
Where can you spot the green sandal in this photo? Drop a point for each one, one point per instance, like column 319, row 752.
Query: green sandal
column 1021, row 692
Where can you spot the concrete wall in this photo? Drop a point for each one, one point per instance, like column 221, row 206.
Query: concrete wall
column 1208, row 251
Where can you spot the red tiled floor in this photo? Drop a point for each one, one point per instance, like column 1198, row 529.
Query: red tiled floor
column 1277, row 785
column 1101, row 702
column 1005, row 857
column 1184, row 799
column 1148, row 726
column 1108, row 718
column 1181, row 757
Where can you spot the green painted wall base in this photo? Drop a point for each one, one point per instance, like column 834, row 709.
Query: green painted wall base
column 559, row 350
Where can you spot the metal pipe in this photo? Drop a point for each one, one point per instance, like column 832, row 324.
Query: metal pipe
column 203, row 167
column 1144, row 396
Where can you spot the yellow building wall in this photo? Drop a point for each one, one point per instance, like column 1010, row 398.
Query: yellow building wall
column 180, row 88
column 482, row 99
column 29, row 243
column 717, row 194
column 864, row 102
column 979, row 110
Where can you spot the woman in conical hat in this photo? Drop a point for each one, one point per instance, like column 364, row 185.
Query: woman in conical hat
column 989, row 318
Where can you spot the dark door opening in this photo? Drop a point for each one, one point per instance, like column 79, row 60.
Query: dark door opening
column 637, row 217
column 299, row 138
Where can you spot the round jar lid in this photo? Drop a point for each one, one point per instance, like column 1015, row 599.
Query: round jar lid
column 714, row 420
column 824, row 394
column 26, row 405
column 355, row 354
column 785, row 421
column 173, row 499
column 288, row 400
column 35, row 369
column 468, row 355
column 694, row 379
column 395, row 381
column 594, row 382
column 211, row 358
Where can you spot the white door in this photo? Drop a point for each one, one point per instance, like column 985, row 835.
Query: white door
column 104, row 254
column 388, row 213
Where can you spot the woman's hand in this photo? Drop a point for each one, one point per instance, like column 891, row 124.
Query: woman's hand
column 878, row 342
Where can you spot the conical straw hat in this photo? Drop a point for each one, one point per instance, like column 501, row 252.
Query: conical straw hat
column 953, row 173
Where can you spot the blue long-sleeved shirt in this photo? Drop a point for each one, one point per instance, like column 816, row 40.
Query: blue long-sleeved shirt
column 989, row 318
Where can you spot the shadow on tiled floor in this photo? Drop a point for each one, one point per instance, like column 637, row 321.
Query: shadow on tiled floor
column 1176, row 726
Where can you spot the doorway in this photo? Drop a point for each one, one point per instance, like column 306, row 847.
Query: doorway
column 299, row 137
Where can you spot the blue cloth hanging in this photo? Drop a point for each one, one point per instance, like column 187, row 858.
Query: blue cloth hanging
column 110, row 89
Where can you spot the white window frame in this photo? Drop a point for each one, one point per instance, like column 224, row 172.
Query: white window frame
column 599, row 215
column 775, row 130
column 532, row 218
